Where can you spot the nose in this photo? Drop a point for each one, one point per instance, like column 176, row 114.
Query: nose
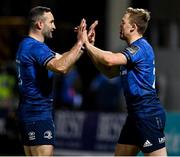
column 54, row 27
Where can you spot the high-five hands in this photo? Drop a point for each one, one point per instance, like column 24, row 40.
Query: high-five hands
column 81, row 29
column 91, row 32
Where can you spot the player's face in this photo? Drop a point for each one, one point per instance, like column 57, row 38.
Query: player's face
column 125, row 27
column 49, row 25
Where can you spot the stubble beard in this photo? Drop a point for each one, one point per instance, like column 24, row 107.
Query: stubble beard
column 48, row 35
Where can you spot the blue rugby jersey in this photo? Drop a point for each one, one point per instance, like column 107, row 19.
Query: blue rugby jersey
column 34, row 80
column 138, row 79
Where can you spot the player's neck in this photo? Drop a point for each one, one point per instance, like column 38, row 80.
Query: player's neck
column 134, row 38
column 36, row 35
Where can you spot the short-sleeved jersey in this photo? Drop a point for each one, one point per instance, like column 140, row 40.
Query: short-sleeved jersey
column 138, row 79
column 34, row 80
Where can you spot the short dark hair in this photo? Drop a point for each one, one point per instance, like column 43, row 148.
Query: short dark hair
column 140, row 17
column 36, row 14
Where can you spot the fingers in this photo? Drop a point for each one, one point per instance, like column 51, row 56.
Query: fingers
column 92, row 27
column 82, row 26
column 92, row 33
column 81, row 31
column 83, row 35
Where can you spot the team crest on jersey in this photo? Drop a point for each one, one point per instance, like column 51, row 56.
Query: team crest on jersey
column 132, row 49
column 48, row 134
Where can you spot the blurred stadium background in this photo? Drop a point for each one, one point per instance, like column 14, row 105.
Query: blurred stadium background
column 89, row 109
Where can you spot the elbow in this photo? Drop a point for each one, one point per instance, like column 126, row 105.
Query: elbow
column 55, row 66
column 108, row 61
column 62, row 70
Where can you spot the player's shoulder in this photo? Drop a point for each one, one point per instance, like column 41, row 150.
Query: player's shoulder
column 136, row 46
column 143, row 43
column 39, row 46
column 133, row 49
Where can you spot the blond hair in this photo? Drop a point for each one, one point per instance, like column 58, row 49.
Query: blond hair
column 140, row 17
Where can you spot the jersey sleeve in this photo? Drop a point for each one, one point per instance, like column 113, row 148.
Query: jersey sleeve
column 133, row 54
column 42, row 54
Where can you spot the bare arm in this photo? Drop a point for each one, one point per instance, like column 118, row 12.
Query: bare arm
column 63, row 63
column 109, row 71
column 107, row 58
column 105, row 61
column 102, row 68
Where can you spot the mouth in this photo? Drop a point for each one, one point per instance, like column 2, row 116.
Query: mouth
column 120, row 32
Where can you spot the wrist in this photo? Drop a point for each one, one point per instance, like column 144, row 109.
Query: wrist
column 86, row 43
column 80, row 43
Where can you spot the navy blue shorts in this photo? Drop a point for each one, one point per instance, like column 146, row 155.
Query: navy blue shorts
column 37, row 133
column 146, row 133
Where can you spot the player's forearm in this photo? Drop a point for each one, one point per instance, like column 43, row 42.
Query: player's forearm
column 103, row 57
column 69, row 58
column 64, row 62
column 106, row 70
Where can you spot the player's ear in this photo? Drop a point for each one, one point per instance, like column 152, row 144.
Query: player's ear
column 134, row 27
column 39, row 24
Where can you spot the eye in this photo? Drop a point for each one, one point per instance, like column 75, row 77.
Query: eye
column 123, row 22
column 52, row 21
